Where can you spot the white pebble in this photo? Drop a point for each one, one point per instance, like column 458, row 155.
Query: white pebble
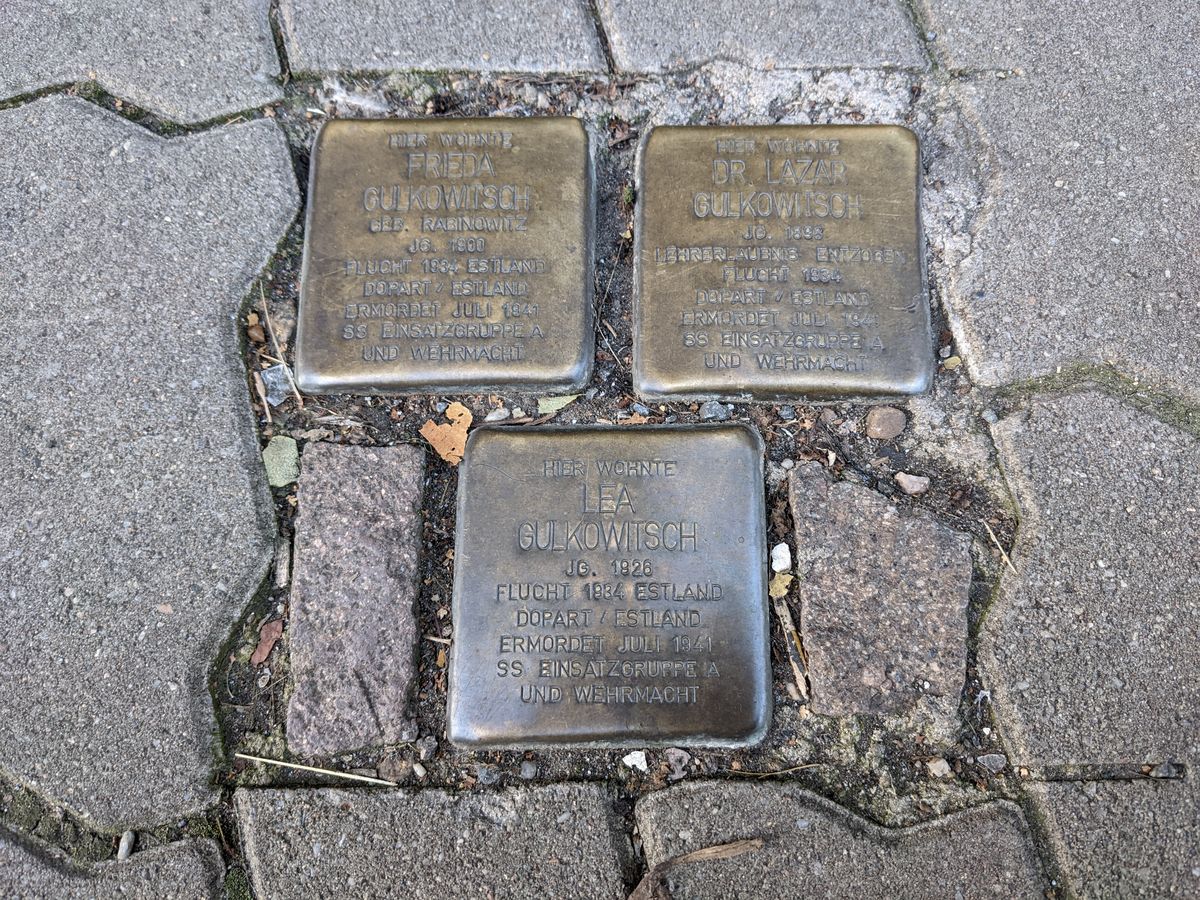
column 938, row 767
column 636, row 760
column 912, row 484
column 781, row 558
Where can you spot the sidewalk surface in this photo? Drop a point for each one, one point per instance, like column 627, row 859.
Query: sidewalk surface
column 1029, row 727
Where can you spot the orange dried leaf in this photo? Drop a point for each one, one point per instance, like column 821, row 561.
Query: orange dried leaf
column 267, row 637
column 449, row 440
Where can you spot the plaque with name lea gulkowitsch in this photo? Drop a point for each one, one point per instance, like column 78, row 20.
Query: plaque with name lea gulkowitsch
column 780, row 261
column 610, row 588
column 447, row 255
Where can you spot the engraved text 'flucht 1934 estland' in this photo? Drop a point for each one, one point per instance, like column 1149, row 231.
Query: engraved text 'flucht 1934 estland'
column 602, row 597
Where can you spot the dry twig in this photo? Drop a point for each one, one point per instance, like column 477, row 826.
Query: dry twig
column 288, row 765
column 794, row 649
column 651, row 887
column 752, row 774
column 287, row 370
column 262, row 395
column 996, row 541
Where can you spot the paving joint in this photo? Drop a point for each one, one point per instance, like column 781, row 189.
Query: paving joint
column 274, row 23
column 1050, row 854
column 1155, row 400
column 918, row 19
column 593, row 8
column 156, row 124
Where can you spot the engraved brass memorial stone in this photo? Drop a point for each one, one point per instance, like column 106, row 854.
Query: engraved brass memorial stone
column 447, row 254
column 779, row 261
column 609, row 588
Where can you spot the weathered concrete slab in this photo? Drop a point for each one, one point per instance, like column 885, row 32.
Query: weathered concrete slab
column 1082, row 252
column 189, row 60
column 1127, row 839
column 352, row 628
column 652, row 35
column 883, row 598
column 188, row 869
column 384, row 35
column 814, row 848
column 1092, row 651
column 134, row 521
column 559, row 841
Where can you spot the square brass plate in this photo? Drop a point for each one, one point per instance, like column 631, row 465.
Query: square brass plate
column 609, row 588
column 448, row 254
column 780, row 261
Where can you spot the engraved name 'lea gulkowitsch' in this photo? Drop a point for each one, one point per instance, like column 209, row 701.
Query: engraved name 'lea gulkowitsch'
column 601, row 597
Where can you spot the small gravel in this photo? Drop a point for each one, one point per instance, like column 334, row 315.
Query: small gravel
column 912, row 484
column 885, row 423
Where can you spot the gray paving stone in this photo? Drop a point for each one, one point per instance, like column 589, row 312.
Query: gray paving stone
column 1083, row 251
column 189, row 60
column 813, row 848
column 652, row 35
column 134, row 521
column 352, row 630
column 1092, row 651
column 188, row 869
column 386, row 35
column 560, row 841
column 1127, row 839
column 883, row 598
column 1061, row 35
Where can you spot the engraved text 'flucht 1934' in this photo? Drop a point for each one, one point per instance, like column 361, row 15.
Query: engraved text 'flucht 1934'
column 602, row 597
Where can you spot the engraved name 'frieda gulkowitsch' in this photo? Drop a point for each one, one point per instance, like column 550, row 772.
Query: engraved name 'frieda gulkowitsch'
column 447, row 254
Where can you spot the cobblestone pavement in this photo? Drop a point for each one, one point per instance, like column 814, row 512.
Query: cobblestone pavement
column 1001, row 702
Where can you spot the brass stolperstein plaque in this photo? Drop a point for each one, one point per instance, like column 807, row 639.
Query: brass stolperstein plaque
column 447, row 254
column 609, row 588
column 780, row 261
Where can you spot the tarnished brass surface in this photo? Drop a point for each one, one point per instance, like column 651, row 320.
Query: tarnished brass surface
column 609, row 588
column 447, row 254
column 780, row 261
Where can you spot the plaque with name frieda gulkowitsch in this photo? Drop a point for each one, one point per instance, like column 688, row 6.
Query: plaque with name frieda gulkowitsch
column 780, row 261
column 448, row 254
column 610, row 588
